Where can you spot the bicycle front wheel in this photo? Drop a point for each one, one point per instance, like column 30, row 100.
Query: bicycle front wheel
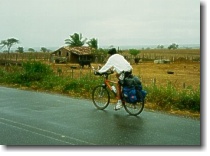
column 134, row 109
column 100, row 97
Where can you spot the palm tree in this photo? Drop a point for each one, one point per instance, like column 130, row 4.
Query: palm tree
column 9, row 43
column 75, row 40
column 93, row 43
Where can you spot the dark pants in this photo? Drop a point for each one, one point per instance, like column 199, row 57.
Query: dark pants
column 127, row 74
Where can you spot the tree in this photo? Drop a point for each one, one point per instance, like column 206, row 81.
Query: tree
column 31, row 50
column 75, row 40
column 93, row 43
column 160, row 47
column 43, row 49
column 173, row 46
column 9, row 43
column 134, row 52
column 20, row 49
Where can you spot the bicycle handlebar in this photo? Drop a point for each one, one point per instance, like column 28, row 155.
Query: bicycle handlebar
column 105, row 73
column 109, row 72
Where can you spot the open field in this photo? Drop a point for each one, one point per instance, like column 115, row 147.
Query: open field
column 185, row 63
column 185, row 74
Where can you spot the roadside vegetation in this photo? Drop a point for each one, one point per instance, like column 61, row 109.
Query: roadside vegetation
column 40, row 76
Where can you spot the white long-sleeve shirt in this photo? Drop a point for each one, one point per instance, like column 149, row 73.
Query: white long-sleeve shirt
column 118, row 62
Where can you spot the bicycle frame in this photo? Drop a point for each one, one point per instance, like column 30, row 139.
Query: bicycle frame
column 108, row 82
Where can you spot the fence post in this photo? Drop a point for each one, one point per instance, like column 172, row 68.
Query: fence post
column 169, row 84
column 154, row 81
column 72, row 72
column 16, row 56
column 184, row 85
column 80, row 72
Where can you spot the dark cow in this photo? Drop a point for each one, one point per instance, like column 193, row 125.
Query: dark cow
column 136, row 60
column 82, row 63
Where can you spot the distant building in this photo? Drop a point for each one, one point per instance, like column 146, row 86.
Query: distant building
column 82, row 55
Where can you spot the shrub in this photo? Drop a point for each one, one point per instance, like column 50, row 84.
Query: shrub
column 83, row 84
column 189, row 99
column 35, row 71
column 168, row 97
column 73, row 85
column 2, row 75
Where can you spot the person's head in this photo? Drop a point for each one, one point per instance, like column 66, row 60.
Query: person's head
column 112, row 51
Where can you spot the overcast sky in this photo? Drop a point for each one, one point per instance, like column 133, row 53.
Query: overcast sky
column 37, row 23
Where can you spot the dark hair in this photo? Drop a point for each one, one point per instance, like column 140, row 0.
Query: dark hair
column 112, row 51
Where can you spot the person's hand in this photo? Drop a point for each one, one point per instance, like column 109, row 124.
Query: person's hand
column 112, row 71
column 96, row 73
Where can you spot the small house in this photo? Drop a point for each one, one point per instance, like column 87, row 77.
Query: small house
column 82, row 55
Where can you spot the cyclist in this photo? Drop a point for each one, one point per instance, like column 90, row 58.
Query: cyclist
column 122, row 68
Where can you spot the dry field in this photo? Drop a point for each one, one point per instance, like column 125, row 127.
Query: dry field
column 185, row 73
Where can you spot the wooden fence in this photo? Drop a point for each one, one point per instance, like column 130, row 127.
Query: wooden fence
column 17, row 58
column 101, row 58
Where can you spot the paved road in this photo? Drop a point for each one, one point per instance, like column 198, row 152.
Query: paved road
column 32, row 118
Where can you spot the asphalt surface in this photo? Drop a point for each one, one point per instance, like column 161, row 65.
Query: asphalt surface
column 34, row 118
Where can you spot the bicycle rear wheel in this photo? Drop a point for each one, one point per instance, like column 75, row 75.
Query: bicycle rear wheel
column 134, row 109
column 100, row 97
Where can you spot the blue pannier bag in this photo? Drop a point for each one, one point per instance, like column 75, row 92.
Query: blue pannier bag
column 144, row 93
column 129, row 94
column 141, row 94
column 132, row 90
column 134, row 94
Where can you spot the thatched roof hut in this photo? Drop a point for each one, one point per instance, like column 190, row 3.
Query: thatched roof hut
column 73, row 54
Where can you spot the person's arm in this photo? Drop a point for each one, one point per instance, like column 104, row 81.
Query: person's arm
column 107, row 66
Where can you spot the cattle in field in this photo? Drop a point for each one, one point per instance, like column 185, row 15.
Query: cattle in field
column 136, row 60
column 82, row 63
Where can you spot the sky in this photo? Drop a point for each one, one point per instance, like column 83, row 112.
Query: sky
column 47, row 23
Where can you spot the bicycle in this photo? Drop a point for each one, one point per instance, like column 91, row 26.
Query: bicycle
column 101, row 96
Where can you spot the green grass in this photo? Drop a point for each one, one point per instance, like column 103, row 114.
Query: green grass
column 170, row 98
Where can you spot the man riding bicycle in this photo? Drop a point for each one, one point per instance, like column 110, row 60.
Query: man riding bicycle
column 122, row 68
